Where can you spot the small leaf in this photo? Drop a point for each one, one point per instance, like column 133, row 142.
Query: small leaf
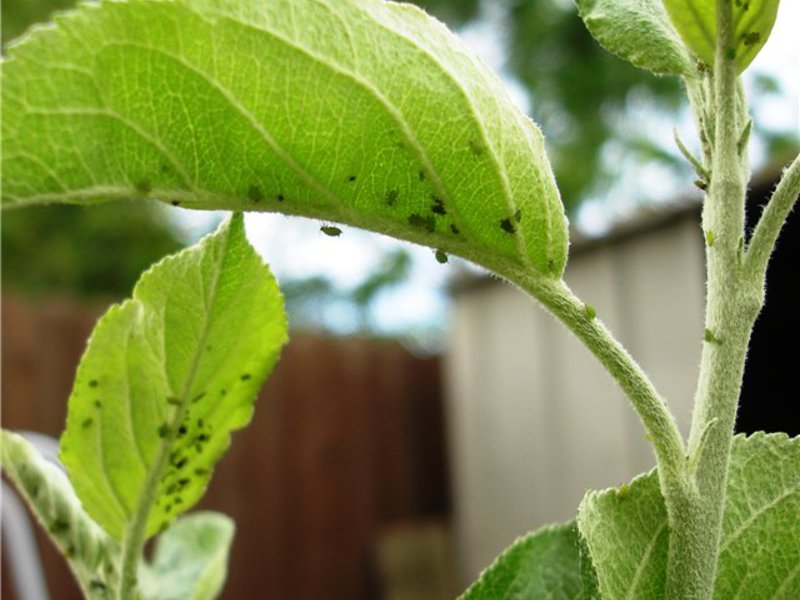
column 638, row 31
column 191, row 559
column 696, row 21
column 760, row 550
column 362, row 112
column 91, row 553
column 542, row 564
column 167, row 376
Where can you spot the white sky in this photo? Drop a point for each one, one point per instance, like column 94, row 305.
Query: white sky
column 295, row 247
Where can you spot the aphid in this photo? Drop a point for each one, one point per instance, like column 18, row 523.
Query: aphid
column 391, row 197
column 173, row 400
column 700, row 184
column 98, row 404
column 518, row 215
column 507, row 226
column 476, row 147
column 163, row 430
column 710, row 238
column 96, row 584
column 175, row 203
column 93, row 383
column 591, row 313
column 254, row 193
column 351, row 178
column 58, row 526
column 200, row 471
column 280, row 198
column 245, row 376
column 623, row 492
column 421, row 175
column 438, row 206
column 709, row 337
column 427, row 223
column 441, row 256
column 199, row 397
column 181, row 463
column 750, row 38
column 330, row 230
column 182, row 431
column 454, row 229
column 143, row 186
column 183, row 482
column 87, row 423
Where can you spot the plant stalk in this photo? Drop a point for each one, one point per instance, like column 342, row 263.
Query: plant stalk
column 733, row 301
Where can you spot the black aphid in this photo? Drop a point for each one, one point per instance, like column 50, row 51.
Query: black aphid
column 454, row 229
column 422, row 175
column 441, row 256
column 87, row 423
column 93, row 383
column 245, row 376
column 163, row 430
column 518, row 215
column 351, row 178
column 280, row 198
column 182, row 431
column 173, row 400
column 175, row 203
column 199, row 397
column 507, row 226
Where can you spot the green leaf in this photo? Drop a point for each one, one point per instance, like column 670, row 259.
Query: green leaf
column 542, row 564
column 638, row 31
column 190, row 561
column 362, row 111
column 696, row 21
column 626, row 529
column 91, row 553
column 165, row 379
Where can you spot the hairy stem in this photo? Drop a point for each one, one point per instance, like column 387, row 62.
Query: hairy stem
column 732, row 303
column 651, row 408
column 772, row 220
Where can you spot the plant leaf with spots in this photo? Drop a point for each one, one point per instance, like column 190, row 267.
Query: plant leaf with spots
column 190, row 559
column 364, row 112
column 638, row 31
column 696, row 21
column 91, row 553
column 626, row 529
column 542, row 564
column 166, row 377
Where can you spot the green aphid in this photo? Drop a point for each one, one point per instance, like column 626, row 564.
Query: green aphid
column 331, row 230
column 441, row 256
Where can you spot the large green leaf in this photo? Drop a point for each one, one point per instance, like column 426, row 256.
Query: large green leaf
column 167, row 376
column 542, row 564
column 626, row 529
column 696, row 21
column 91, row 553
column 190, row 560
column 638, row 31
column 362, row 111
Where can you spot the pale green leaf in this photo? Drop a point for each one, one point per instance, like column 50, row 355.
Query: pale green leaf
column 167, row 376
column 626, row 529
column 696, row 21
column 91, row 553
column 638, row 31
column 361, row 111
column 542, row 564
column 191, row 559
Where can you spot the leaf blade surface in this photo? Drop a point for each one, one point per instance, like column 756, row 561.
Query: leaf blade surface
column 362, row 112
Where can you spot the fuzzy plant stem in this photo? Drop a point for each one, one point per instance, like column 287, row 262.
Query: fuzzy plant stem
column 734, row 298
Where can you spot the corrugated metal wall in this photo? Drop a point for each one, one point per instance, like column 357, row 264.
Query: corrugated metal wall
column 534, row 421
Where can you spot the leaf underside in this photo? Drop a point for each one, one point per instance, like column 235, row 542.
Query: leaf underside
column 542, row 564
column 91, row 553
column 638, row 31
column 363, row 112
column 190, row 559
column 626, row 529
column 167, row 376
column 695, row 20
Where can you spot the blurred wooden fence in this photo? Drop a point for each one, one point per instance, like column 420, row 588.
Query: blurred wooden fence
column 346, row 442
